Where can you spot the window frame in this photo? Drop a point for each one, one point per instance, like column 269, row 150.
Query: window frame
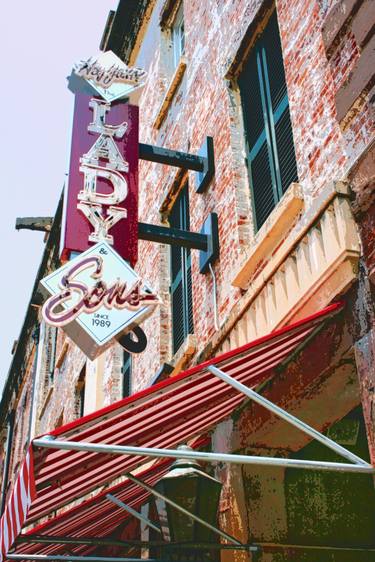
column 184, row 274
column 177, row 31
column 80, row 391
column 271, row 117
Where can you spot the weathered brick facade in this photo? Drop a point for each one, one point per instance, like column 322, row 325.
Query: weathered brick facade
column 317, row 246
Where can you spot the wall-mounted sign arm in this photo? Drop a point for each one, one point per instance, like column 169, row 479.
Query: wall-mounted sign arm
column 162, row 155
column 207, row 241
column 203, row 163
column 172, row 236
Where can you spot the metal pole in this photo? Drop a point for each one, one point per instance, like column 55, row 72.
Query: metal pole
column 182, row 509
column 50, row 443
column 268, row 546
column 133, row 512
column 45, row 539
column 75, row 558
column 287, row 417
column 216, row 315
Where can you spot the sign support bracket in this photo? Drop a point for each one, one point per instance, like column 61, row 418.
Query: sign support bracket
column 203, row 163
column 207, row 241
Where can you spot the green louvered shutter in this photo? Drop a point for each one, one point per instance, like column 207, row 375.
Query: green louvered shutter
column 181, row 284
column 269, row 136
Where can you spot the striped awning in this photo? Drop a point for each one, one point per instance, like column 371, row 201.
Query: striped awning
column 176, row 410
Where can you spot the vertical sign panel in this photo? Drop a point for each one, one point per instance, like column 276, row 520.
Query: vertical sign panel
column 102, row 191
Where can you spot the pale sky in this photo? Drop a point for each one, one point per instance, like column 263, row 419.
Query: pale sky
column 40, row 40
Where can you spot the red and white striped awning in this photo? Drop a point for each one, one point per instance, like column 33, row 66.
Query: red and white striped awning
column 97, row 517
column 173, row 411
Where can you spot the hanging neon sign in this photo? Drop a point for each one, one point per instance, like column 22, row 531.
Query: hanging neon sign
column 97, row 297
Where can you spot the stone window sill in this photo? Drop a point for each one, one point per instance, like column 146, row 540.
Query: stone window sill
column 270, row 235
column 170, row 93
column 46, row 402
column 61, row 356
column 184, row 354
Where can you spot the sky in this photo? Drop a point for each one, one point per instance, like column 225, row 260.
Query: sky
column 40, row 40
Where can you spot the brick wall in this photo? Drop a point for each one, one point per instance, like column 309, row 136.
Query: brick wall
column 207, row 103
column 328, row 148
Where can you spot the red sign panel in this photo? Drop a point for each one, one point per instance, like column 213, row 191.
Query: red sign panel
column 102, row 192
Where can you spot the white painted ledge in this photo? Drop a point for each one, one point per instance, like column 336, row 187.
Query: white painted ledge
column 170, row 93
column 270, row 235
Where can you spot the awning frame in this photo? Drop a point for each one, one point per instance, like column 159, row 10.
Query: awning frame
column 133, row 512
column 234, row 361
column 359, row 465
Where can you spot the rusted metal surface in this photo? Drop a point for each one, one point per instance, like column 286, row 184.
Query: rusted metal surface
column 42, row 224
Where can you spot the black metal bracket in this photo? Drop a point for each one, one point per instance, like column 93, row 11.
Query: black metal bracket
column 210, row 229
column 203, row 163
column 207, row 241
column 204, row 177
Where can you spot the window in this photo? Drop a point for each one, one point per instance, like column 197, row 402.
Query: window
column 80, row 393
column 181, row 290
column 126, row 372
column 50, row 346
column 178, row 35
column 269, row 136
column 48, row 338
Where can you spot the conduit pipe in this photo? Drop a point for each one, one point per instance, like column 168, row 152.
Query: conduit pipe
column 216, row 314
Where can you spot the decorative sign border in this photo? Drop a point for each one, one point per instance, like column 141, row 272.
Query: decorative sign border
column 102, row 190
column 108, row 76
column 95, row 298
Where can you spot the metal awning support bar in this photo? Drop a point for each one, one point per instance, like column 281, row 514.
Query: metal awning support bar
column 95, row 541
column 50, row 443
column 133, row 512
column 68, row 557
column 263, row 546
column 272, row 547
column 157, row 494
column 287, row 417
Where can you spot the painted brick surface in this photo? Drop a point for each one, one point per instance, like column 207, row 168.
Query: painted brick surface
column 328, row 148
column 206, row 103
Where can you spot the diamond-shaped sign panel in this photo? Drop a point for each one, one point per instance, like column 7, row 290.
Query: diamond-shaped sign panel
column 95, row 297
column 108, row 76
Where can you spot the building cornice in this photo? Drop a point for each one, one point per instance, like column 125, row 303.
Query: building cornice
column 122, row 27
